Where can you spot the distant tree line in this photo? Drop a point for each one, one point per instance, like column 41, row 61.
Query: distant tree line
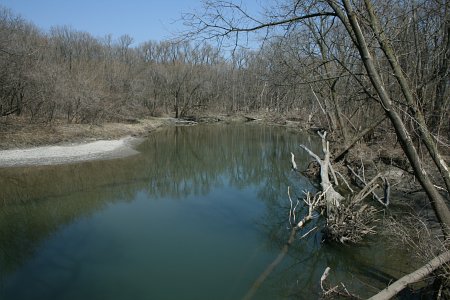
column 313, row 72
column 70, row 75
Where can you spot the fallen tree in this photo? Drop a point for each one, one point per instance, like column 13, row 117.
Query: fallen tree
column 413, row 277
column 394, row 288
column 332, row 198
column 348, row 220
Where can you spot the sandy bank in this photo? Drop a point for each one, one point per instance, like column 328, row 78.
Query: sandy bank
column 50, row 155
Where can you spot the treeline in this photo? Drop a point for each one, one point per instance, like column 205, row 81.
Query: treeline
column 312, row 72
column 69, row 74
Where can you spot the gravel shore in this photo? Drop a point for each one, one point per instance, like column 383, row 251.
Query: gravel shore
column 50, row 155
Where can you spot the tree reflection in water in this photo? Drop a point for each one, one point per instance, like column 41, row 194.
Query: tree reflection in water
column 178, row 164
column 175, row 163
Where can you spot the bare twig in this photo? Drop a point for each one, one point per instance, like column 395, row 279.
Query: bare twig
column 307, row 233
column 345, row 181
column 290, row 201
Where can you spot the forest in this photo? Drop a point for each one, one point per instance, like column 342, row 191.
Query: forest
column 312, row 71
column 365, row 71
column 70, row 75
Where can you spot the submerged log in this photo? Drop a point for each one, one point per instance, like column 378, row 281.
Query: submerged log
column 312, row 203
column 338, row 215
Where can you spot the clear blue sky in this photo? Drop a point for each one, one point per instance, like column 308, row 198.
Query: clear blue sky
column 141, row 19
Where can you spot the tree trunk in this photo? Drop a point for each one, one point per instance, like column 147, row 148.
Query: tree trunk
column 351, row 23
column 441, row 102
column 336, row 113
column 416, row 112
column 177, row 107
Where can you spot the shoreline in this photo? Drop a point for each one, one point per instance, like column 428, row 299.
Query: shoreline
column 28, row 145
column 76, row 152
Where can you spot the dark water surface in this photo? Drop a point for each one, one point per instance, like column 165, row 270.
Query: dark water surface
column 197, row 215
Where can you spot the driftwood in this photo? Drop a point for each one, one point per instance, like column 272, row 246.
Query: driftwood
column 324, row 277
column 352, row 222
column 393, row 289
column 293, row 164
column 386, row 186
column 249, row 119
column 349, row 220
column 332, row 198
column 413, row 277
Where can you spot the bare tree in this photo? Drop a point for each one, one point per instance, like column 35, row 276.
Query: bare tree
column 227, row 20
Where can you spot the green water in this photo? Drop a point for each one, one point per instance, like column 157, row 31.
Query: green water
column 198, row 214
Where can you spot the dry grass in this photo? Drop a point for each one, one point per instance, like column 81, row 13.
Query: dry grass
column 16, row 133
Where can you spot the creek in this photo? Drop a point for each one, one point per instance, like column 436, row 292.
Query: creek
column 198, row 214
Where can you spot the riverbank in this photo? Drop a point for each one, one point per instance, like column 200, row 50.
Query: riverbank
column 24, row 144
column 18, row 134
column 50, row 155
column 68, row 143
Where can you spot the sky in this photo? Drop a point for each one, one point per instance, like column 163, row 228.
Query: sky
column 143, row 20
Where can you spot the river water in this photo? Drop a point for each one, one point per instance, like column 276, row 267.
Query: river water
column 198, row 214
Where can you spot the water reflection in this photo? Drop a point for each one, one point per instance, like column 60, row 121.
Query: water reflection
column 192, row 160
column 174, row 164
column 202, row 209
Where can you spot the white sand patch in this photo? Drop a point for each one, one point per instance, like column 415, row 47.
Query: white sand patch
column 50, row 155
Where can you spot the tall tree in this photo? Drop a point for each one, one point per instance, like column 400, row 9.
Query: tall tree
column 223, row 20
